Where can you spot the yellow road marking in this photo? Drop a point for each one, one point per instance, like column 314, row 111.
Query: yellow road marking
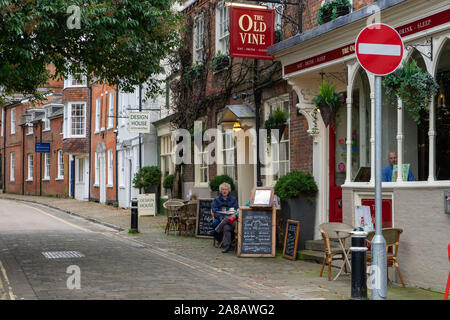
column 56, row 218
column 11, row 295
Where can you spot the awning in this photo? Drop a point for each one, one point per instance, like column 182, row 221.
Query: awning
column 236, row 112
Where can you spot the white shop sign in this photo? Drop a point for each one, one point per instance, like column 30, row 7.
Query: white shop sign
column 139, row 122
column 147, row 204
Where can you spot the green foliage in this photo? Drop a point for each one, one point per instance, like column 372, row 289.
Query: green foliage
column 328, row 95
column 219, row 61
column 295, row 183
column 218, row 180
column 168, row 182
column 193, row 72
column 147, row 177
column 119, row 42
column 278, row 118
column 414, row 86
column 332, row 10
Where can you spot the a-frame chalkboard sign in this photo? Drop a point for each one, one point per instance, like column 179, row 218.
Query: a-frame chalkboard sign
column 256, row 232
column 291, row 239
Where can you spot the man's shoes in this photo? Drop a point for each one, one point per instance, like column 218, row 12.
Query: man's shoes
column 228, row 248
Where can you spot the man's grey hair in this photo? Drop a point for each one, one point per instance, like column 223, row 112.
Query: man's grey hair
column 224, row 184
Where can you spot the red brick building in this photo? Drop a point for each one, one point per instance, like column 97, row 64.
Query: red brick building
column 103, row 144
column 209, row 22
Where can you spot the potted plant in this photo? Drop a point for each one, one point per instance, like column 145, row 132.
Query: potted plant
column 220, row 61
column 215, row 182
column 328, row 102
column 276, row 121
column 413, row 86
column 297, row 191
column 168, row 183
column 332, row 10
column 148, row 178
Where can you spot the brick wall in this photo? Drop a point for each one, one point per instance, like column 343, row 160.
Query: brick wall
column 103, row 136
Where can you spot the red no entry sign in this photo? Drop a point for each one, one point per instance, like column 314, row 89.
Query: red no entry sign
column 379, row 49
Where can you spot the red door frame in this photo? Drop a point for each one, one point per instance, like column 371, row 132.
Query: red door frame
column 335, row 192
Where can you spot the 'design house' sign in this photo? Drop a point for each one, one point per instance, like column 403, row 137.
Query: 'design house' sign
column 139, row 122
column 251, row 31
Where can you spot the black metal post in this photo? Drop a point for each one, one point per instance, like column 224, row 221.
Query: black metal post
column 134, row 215
column 359, row 278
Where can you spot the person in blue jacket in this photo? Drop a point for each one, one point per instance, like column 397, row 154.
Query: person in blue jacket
column 386, row 173
column 223, row 202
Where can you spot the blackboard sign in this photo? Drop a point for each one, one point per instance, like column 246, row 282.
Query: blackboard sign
column 204, row 219
column 291, row 239
column 256, row 235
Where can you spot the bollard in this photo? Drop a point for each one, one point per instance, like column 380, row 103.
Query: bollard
column 358, row 249
column 134, row 215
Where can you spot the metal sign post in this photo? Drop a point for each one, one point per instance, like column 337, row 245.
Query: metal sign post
column 378, row 244
column 379, row 49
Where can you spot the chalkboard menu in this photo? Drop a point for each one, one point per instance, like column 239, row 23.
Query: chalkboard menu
column 204, row 219
column 291, row 239
column 256, row 235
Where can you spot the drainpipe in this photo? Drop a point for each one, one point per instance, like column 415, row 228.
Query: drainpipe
column 4, row 151
column 40, row 159
column 23, row 159
column 116, row 132
column 90, row 130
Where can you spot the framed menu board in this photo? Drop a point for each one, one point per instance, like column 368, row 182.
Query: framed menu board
column 291, row 239
column 204, row 219
column 262, row 197
column 256, row 232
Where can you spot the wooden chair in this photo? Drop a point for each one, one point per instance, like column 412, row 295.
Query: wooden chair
column 171, row 207
column 392, row 238
column 188, row 216
column 328, row 231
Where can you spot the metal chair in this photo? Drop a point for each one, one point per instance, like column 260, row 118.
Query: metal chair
column 171, row 207
column 392, row 238
column 329, row 232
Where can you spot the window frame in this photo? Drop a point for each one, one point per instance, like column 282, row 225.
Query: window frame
column 222, row 28
column 12, row 166
column 110, row 168
column 30, row 167
column 60, row 164
column 13, row 120
column 198, row 49
column 111, row 110
column 69, row 125
column 47, row 166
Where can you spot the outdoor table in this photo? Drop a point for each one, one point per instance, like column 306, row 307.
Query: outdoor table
column 345, row 234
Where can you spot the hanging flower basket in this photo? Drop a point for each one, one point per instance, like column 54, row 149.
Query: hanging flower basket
column 413, row 86
column 276, row 121
column 328, row 102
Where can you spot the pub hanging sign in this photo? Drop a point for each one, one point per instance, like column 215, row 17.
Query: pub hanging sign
column 251, row 31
